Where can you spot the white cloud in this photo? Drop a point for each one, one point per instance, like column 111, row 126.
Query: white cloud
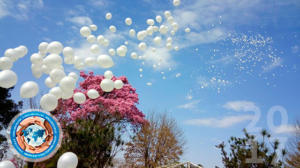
column 190, row 105
column 19, row 9
column 3, row 9
column 241, row 106
column 276, row 62
column 80, row 20
column 162, row 58
column 220, row 123
column 283, row 129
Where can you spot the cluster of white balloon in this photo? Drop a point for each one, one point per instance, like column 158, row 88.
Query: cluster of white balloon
column 67, row 160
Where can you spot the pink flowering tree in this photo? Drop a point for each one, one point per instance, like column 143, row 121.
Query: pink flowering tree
column 93, row 130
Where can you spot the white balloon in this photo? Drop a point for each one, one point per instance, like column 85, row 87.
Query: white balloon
column 170, row 20
column 90, row 61
column 49, row 82
column 126, row 42
column 57, row 92
column 57, row 74
column 48, row 102
column 55, row 47
column 157, row 40
column 67, row 83
column 11, row 53
column 132, row 32
column 5, row 63
column 7, row 164
column 79, row 98
column 93, row 94
column 141, row 69
column 175, row 26
column 67, row 94
column 77, row 60
column 150, row 22
column 187, row 30
column 8, row 78
column 134, row 55
column 108, row 74
column 112, row 52
column 172, row 32
column 176, row 48
column 169, row 40
column 108, row 16
column 100, row 39
column 93, row 27
column 142, row 46
column 80, row 66
column 118, row 84
column 106, row 42
column 52, row 60
column 68, row 52
column 176, row 2
column 107, row 85
column 43, row 47
column 91, row 38
column 69, row 60
column 67, row 160
column 167, row 14
column 37, row 73
column 36, row 58
column 105, row 61
column 73, row 75
column 128, row 21
column 112, row 28
column 158, row 19
column 155, row 28
column 29, row 89
column 85, row 31
column 122, row 50
column 150, row 30
column 163, row 29
column 141, row 35
column 21, row 51
column 95, row 49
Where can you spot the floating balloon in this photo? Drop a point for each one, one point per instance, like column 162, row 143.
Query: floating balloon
column 118, row 84
column 108, row 74
column 132, row 32
column 67, row 94
column 122, row 50
column 5, row 63
column 8, row 78
column 37, row 73
column 187, row 30
column 105, row 42
column 176, row 48
column 169, row 40
column 158, row 19
column 73, row 75
column 105, row 61
column 48, row 102
column 43, row 47
column 157, row 40
column 150, row 22
column 93, row 27
column 169, row 46
column 172, row 32
column 67, row 160
column 93, row 94
column 170, row 20
column 29, row 89
column 112, row 52
column 134, row 55
column 21, row 51
column 57, row 92
column 141, row 69
column 107, row 85
column 68, row 52
column 112, row 28
column 108, row 16
column 57, row 74
column 90, row 61
column 36, row 58
column 175, row 26
column 149, row 83
column 85, row 31
column 176, row 2
column 167, row 14
column 67, row 83
column 69, row 60
column 7, row 164
column 52, row 60
column 45, row 69
column 142, row 46
column 95, row 49
column 150, row 30
column 163, row 29
column 11, row 53
column 91, row 38
column 79, row 98
column 55, row 47
column 141, row 35
column 49, row 82
column 155, row 28
column 128, row 21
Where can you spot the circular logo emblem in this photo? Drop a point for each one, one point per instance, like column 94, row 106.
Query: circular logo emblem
column 34, row 135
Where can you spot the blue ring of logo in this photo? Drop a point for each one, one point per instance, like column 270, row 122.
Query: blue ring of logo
column 56, row 135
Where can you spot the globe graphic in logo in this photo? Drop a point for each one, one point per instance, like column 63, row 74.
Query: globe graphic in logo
column 35, row 135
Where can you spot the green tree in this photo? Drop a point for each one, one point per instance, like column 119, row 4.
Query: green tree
column 8, row 110
column 247, row 152
column 293, row 157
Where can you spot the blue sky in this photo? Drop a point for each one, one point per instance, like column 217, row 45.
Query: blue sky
column 239, row 62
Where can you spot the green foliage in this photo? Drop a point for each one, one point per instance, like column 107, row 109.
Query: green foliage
column 241, row 150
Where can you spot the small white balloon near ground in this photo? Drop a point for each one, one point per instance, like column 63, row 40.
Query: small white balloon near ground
column 8, row 79
column 79, row 98
column 67, row 160
column 29, row 89
column 107, row 85
column 108, row 74
column 93, row 94
column 118, row 84
column 57, row 92
column 67, row 83
column 48, row 102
